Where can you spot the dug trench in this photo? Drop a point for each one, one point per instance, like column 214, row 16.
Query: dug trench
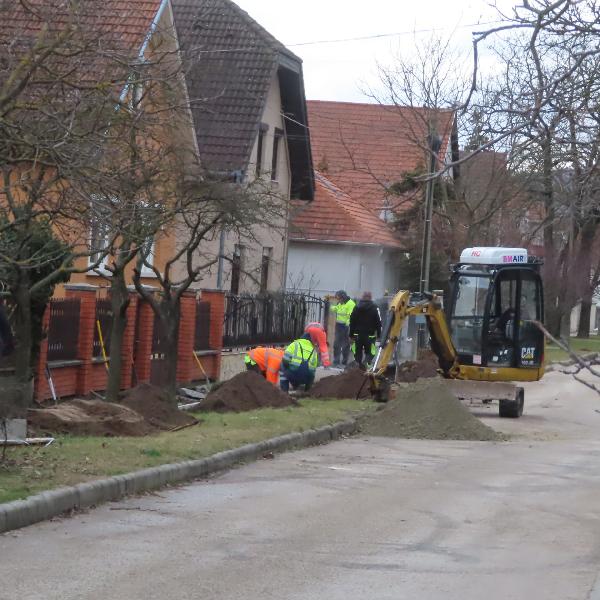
column 143, row 410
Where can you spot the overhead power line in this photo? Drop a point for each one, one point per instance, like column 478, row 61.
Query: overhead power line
column 386, row 35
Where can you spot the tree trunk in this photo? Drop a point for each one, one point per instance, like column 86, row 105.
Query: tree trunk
column 22, row 398
column 170, row 316
column 583, row 330
column 120, row 300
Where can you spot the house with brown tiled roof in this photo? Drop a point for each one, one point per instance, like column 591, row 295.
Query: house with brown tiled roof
column 246, row 93
column 247, row 122
column 336, row 243
column 345, row 238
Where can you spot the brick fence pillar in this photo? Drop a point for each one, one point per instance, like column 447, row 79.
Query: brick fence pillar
column 187, row 334
column 128, row 350
column 216, row 298
column 87, row 325
column 143, row 341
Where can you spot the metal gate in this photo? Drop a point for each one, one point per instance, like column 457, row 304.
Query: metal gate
column 157, row 363
column 270, row 318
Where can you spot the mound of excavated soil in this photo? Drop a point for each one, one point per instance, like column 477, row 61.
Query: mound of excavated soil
column 427, row 366
column 245, row 391
column 344, row 385
column 427, row 410
column 88, row 417
column 156, row 407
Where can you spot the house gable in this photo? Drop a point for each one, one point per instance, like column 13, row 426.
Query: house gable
column 229, row 63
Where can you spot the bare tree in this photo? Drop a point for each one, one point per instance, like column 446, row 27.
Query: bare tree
column 62, row 78
column 201, row 206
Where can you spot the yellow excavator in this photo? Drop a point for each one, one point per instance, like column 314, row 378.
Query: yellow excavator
column 485, row 337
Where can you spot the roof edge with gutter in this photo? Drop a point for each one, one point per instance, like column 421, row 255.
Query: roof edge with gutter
column 344, row 243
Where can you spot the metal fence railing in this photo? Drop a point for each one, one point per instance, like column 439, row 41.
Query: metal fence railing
column 104, row 317
column 269, row 318
column 63, row 329
column 202, row 332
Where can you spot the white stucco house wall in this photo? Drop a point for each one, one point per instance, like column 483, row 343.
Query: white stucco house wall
column 337, row 244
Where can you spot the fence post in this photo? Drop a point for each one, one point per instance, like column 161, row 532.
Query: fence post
column 216, row 298
column 187, row 333
column 87, row 323
column 41, row 385
column 143, row 341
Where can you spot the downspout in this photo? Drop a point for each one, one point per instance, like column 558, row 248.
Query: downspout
column 146, row 42
column 221, row 260
column 153, row 27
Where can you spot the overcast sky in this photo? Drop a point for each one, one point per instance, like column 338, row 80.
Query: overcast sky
column 340, row 71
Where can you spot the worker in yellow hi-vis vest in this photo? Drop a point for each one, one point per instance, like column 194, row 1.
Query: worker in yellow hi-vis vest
column 299, row 364
column 341, row 343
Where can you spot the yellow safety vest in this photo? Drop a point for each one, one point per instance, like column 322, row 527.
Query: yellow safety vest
column 343, row 311
column 301, row 351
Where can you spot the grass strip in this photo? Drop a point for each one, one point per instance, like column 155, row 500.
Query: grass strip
column 72, row 460
column 577, row 345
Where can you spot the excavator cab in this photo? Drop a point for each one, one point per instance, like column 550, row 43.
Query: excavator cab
column 496, row 295
column 486, row 338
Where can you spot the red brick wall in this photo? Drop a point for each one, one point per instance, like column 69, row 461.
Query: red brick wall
column 90, row 375
column 187, row 330
column 210, row 363
column 65, row 383
column 217, row 314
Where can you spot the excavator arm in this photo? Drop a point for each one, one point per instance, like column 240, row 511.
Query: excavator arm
column 403, row 305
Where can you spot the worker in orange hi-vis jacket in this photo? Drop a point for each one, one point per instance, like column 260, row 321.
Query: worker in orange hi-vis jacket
column 266, row 361
column 318, row 337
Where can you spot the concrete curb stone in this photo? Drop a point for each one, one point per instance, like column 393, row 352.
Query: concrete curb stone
column 44, row 506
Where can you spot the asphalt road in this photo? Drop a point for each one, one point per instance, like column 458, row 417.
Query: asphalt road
column 373, row 518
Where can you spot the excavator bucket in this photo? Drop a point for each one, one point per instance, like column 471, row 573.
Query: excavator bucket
column 509, row 396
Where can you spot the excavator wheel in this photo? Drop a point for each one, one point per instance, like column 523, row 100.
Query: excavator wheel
column 513, row 409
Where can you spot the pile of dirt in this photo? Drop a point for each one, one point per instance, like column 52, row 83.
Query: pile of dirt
column 344, row 385
column 246, row 391
column 87, row 417
column 426, row 367
column 427, row 410
column 156, row 407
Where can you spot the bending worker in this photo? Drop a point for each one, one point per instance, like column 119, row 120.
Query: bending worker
column 365, row 329
column 341, row 344
column 318, row 336
column 299, row 364
column 266, row 361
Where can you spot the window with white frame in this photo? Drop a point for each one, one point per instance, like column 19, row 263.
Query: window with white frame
column 100, row 234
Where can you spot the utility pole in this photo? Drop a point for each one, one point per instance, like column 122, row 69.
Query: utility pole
column 435, row 143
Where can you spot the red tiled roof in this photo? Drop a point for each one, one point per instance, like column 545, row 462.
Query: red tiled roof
column 124, row 24
column 335, row 216
column 361, row 148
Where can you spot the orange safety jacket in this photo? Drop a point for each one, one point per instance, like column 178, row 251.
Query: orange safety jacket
column 319, row 338
column 268, row 361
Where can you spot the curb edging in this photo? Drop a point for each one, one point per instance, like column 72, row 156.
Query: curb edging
column 52, row 503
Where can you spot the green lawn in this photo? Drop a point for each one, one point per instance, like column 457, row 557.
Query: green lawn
column 579, row 346
column 72, row 460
